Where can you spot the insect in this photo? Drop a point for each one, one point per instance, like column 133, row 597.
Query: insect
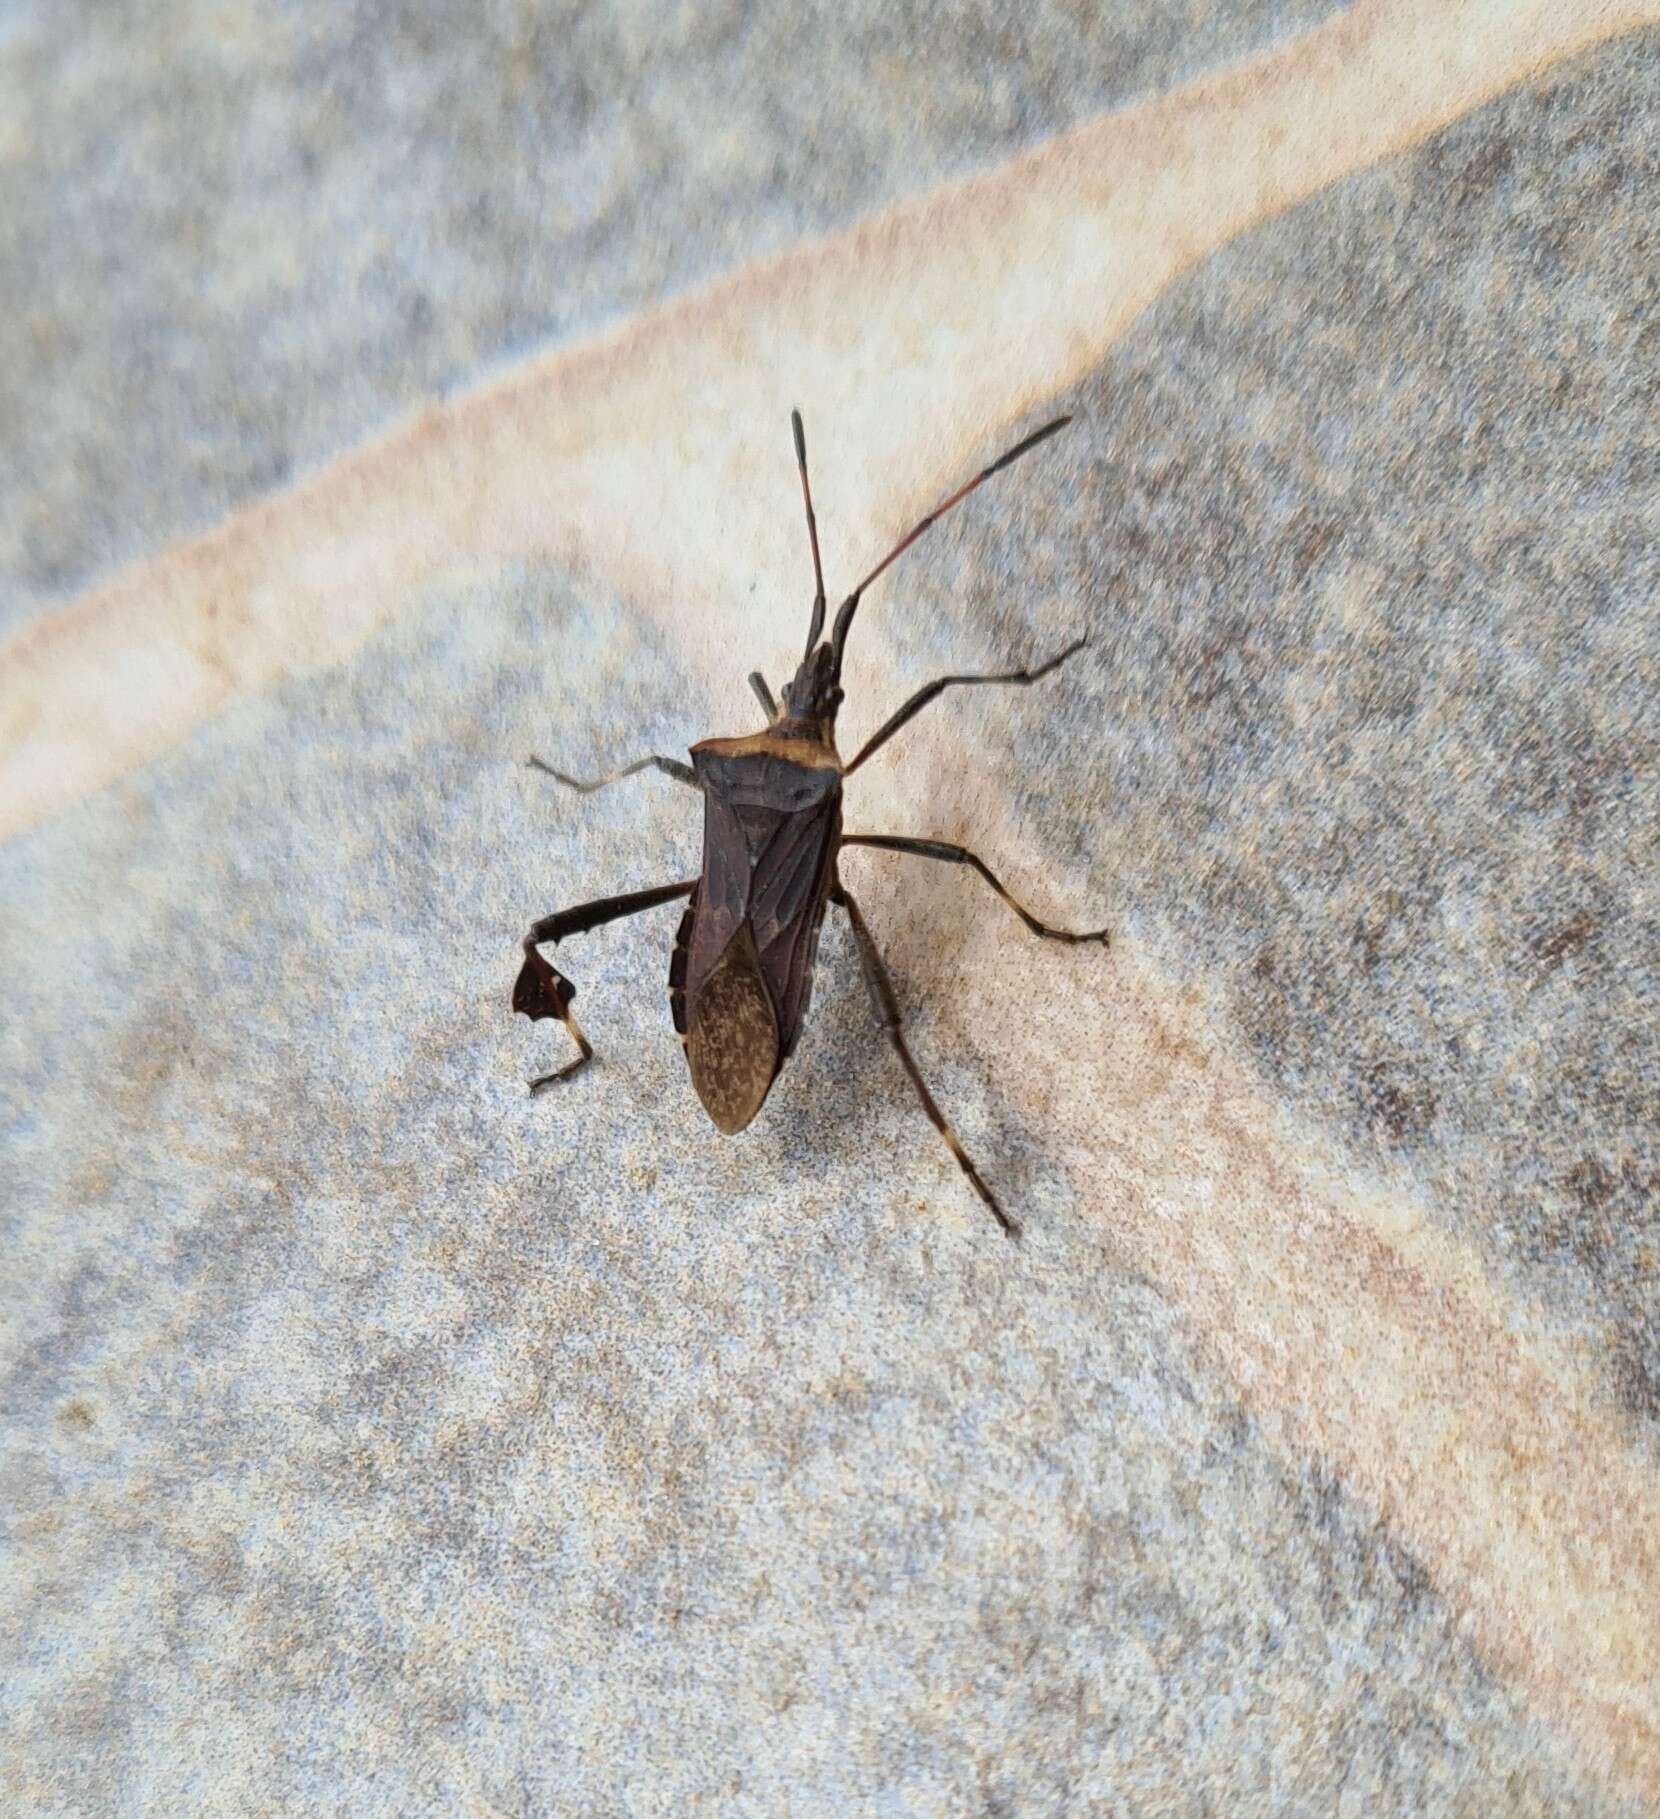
column 742, row 971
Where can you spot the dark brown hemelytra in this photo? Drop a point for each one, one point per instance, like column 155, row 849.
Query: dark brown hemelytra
column 742, row 971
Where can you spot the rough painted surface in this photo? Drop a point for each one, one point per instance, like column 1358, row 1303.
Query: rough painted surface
column 234, row 240
column 1374, row 498
column 376, row 1438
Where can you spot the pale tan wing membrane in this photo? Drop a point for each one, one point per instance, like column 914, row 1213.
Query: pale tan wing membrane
column 732, row 1036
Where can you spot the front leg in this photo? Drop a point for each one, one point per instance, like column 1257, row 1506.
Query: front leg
column 763, row 694
column 543, row 991
column 670, row 767
column 931, row 691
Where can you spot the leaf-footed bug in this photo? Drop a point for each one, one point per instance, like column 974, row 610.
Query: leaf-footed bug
column 742, row 971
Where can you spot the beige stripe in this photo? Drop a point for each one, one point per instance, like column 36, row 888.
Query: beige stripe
column 659, row 460
column 949, row 313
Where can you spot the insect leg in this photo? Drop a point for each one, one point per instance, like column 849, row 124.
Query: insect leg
column 763, row 694
column 960, row 855
column 887, row 1008
column 542, row 991
column 939, row 685
column 670, row 767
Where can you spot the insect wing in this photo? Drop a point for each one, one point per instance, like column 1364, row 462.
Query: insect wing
column 732, row 1035
column 786, row 910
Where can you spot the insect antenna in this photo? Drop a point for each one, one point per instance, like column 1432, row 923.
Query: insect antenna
column 844, row 614
column 816, row 624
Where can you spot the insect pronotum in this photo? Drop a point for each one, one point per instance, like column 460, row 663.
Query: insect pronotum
column 742, row 971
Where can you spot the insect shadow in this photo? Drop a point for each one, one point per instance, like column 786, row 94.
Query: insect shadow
column 741, row 974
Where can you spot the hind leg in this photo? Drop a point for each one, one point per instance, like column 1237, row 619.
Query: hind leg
column 887, row 1008
column 543, row 991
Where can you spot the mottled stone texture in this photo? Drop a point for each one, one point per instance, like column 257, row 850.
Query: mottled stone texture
column 375, row 1442
column 236, row 239
column 1372, row 522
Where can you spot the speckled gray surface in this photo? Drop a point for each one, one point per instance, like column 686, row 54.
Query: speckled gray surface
column 375, row 1442
column 390, row 1449
column 234, row 240
column 1375, row 502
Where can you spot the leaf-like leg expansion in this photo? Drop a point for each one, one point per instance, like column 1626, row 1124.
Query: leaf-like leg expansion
column 763, row 694
column 670, row 767
column 542, row 990
column 931, row 691
column 887, row 1008
column 960, row 855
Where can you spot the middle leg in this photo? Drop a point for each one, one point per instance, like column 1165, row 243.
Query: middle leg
column 960, row 855
column 542, row 990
